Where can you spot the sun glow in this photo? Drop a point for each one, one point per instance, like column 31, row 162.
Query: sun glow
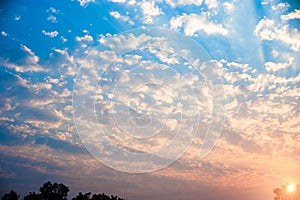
column 291, row 188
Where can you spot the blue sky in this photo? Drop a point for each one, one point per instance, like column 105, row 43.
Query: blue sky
column 150, row 71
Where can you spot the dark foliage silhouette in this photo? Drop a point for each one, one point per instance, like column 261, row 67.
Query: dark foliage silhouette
column 12, row 195
column 81, row 196
column 87, row 196
column 33, row 196
column 57, row 191
column 50, row 191
column 54, row 191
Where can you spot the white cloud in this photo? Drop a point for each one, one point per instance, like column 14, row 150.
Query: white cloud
column 87, row 38
column 52, row 18
column 63, row 39
column 117, row 15
column 275, row 53
column 50, row 34
column 292, row 15
column 52, row 80
column 6, row 118
column 53, row 10
column 4, row 33
column 229, row 7
column 108, row 55
column 193, row 23
column 85, row 2
column 267, row 29
column 30, row 62
column 118, row 1
column 149, row 10
column 32, row 58
column 211, row 4
column 281, row 7
column 273, row 67
column 66, row 54
column 23, row 68
column 271, row 107
column 123, row 42
column 163, row 51
column 177, row 3
column 5, row 105
column 234, row 65
column 17, row 18
column 129, row 2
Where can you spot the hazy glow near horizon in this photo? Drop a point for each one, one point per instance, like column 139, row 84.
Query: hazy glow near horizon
column 291, row 188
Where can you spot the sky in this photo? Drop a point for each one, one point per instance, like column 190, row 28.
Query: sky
column 164, row 99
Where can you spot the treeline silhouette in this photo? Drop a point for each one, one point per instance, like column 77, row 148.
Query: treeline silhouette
column 57, row 191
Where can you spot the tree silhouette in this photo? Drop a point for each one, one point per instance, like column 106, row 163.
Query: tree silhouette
column 12, row 195
column 284, row 194
column 33, row 196
column 57, row 191
column 87, row 196
column 50, row 191
column 81, row 196
column 54, row 191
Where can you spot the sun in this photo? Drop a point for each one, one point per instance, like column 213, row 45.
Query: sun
column 291, row 188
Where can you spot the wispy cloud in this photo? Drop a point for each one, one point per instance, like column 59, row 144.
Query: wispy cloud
column 124, row 18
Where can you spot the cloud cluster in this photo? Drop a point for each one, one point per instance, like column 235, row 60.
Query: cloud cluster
column 268, row 29
column 50, row 34
column 148, row 92
column 193, row 23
